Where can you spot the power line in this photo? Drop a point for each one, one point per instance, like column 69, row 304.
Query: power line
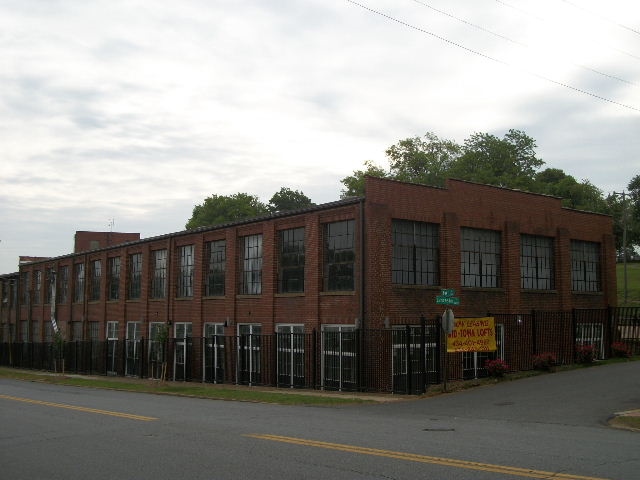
column 544, row 20
column 516, row 42
column 602, row 17
column 488, row 57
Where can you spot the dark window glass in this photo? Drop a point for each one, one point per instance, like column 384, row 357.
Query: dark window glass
column 536, row 263
column 291, row 268
column 339, row 255
column 114, row 278
column 415, row 253
column 480, row 262
column 159, row 280
column 252, row 265
column 78, row 292
column 96, row 277
column 585, row 266
column 185, row 272
column 135, row 276
column 217, row 256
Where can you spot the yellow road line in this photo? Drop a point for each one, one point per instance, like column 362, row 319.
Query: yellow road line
column 449, row 462
column 80, row 409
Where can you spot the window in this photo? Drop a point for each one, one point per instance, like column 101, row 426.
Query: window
column 114, row 278
column 252, row 265
column 480, row 263
column 26, row 286
column 290, row 355
column 50, row 280
column 185, row 273
column 217, row 257
column 213, row 358
column 339, row 357
column 536, row 262
column 159, row 280
column 78, row 292
column 64, row 284
column 415, row 253
column 291, row 271
column 585, row 266
column 96, row 278
column 37, row 286
column 135, row 276
column 339, row 255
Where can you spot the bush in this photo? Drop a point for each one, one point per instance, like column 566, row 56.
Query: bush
column 496, row 368
column 545, row 361
column 585, row 354
column 620, row 350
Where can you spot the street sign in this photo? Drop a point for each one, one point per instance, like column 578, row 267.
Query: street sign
column 448, row 292
column 442, row 300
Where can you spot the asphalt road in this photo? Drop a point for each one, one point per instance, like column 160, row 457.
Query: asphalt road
column 551, row 426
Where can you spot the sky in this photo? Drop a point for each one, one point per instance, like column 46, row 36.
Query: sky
column 123, row 114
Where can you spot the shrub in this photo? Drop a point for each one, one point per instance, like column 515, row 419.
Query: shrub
column 585, row 353
column 496, row 368
column 620, row 349
column 545, row 361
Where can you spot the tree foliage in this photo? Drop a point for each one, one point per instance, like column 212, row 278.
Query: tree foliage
column 218, row 209
column 286, row 199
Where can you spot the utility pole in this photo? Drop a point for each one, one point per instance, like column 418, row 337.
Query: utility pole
column 623, row 194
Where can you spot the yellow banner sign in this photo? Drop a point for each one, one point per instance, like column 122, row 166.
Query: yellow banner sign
column 472, row 335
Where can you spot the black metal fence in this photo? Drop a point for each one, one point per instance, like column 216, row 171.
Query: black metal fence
column 403, row 359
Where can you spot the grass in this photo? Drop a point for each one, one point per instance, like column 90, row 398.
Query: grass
column 633, row 284
column 214, row 392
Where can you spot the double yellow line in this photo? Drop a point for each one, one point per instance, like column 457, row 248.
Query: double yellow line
column 130, row 416
column 411, row 457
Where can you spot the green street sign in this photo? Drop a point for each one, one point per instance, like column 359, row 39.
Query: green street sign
column 443, row 300
column 448, row 292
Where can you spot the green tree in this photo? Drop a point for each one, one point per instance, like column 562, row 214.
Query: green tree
column 579, row 195
column 286, row 199
column 425, row 160
column 354, row 184
column 508, row 162
column 218, row 209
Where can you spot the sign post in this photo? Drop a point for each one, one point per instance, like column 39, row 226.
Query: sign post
column 447, row 297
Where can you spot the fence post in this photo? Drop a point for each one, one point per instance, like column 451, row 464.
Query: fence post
column 142, row 357
column 314, row 358
column 274, row 369
column 574, row 332
column 408, row 359
column 423, row 353
column 534, row 334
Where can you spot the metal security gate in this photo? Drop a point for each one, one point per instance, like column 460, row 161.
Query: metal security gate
column 183, row 346
column 213, row 367
column 415, row 358
column 133, row 349
column 339, row 357
column 290, row 341
column 249, row 368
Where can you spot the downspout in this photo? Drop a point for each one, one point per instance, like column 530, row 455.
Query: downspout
column 363, row 323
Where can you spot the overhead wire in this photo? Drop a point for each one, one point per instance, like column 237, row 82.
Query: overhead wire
column 516, row 42
column 489, row 57
column 544, row 20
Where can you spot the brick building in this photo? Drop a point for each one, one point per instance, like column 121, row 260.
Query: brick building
column 371, row 263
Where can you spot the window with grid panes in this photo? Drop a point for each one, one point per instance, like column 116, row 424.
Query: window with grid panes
column 49, row 280
column 185, row 271
column 114, row 278
column 159, row 279
column 252, row 265
column 37, row 286
column 585, row 266
column 63, row 292
column 26, row 286
column 291, row 268
column 78, row 286
column 415, row 253
column 216, row 268
column 96, row 280
column 339, row 254
column 480, row 258
column 536, row 262
column 135, row 276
